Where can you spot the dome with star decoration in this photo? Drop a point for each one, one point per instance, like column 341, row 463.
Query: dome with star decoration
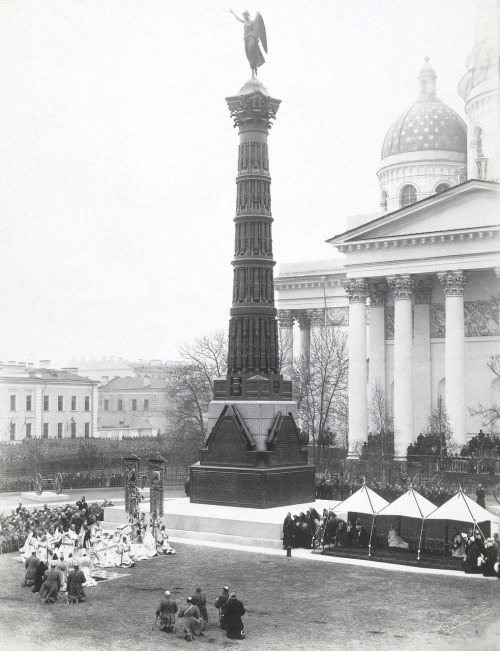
column 428, row 124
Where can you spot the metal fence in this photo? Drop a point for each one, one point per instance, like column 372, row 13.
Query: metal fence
column 109, row 478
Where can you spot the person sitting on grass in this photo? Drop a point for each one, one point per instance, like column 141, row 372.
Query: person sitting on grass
column 192, row 621
column 51, row 585
column 76, row 581
column 166, row 612
column 233, row 624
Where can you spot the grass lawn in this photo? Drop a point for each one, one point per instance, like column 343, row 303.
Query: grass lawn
column 291, row 603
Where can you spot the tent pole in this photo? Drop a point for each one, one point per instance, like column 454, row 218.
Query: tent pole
column 370, row 541
column 420, row 539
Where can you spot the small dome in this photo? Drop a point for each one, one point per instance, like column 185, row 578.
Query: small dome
column 428, row 124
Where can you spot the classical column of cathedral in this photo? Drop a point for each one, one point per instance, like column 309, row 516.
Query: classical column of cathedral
column 422, row 353
column 453, row 284
column 357, row 291
column 402, row 288
column 376, row 374
column 317, row 320
column 286, row 320
column 305, row 334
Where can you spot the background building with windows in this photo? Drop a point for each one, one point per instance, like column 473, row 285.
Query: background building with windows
column 42, row 402
column 140, row 396
column 416, row 285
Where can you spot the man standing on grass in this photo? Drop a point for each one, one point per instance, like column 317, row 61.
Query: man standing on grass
column 221, row 602
column 166, row 612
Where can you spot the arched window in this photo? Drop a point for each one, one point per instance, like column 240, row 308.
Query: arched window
column 383, row 203
column 408, row 196
column 442, row 187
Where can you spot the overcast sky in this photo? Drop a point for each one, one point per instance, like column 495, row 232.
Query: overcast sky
column 118, row 155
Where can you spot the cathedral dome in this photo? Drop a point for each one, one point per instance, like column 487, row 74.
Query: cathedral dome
column 428, row 124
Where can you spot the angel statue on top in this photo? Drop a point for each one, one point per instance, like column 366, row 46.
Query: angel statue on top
column 253, row 32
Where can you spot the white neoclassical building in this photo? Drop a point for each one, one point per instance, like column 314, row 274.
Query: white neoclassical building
column 417, row 286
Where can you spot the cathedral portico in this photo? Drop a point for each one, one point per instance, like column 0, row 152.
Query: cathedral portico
column 421, row 292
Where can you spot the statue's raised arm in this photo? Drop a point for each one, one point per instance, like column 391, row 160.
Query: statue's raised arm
column 254, row 31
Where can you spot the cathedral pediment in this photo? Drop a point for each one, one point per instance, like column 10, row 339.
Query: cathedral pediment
column 471, row 206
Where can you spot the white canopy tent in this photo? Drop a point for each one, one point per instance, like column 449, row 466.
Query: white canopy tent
column 462, row 508
column 363, row 500
column 409, row 505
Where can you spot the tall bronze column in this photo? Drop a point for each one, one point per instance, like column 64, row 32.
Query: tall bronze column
column 253, row 455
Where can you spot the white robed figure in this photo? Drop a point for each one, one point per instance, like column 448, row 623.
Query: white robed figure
column 123, row 554
column 163, row 543
column 86, row 568
column 30, row 545
column 394, row 540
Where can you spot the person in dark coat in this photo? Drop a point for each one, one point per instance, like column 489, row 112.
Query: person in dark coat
column 288, row 532
column 480, row 496
column 76, row 580
column 51, row 585
column 490, row 558
column 360, row 537
column 41, row 568
column 221, row 602
column 200, row 600
column 166, row 612
column 31, row 564
column 474, row 552
column 233, row 624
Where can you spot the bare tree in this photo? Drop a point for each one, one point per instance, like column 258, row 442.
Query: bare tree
column 490, row 416
column 320, row 387
column 189, row 384
column 439, row 427
column 379, row 410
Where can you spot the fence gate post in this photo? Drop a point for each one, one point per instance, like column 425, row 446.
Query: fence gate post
column 156, row 477
column 130, row 473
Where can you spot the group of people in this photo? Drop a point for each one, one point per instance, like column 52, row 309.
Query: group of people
column 58, row 575
column 194, row 614
column 46, row 523
column 480, row 555
column 312, row 529
column 339, row 489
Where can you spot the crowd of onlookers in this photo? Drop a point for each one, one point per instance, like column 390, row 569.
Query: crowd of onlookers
column 40, row 522
column 310, row 529
column 338, row 489
column 480, row 555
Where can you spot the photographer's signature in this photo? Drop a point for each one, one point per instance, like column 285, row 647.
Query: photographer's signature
column 472, row 615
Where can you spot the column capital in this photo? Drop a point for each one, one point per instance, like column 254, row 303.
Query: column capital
column 303, row 319
column 253, row 109
column 453, row 282
column 316, row 317
column 378, row 294
column 286, row 318
column 423, row 291
column 356, row 289
column 402, row 286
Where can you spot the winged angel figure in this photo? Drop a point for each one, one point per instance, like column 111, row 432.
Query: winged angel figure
column 254, row 31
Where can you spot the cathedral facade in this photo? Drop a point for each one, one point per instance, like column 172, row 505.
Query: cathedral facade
column 417, row 287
